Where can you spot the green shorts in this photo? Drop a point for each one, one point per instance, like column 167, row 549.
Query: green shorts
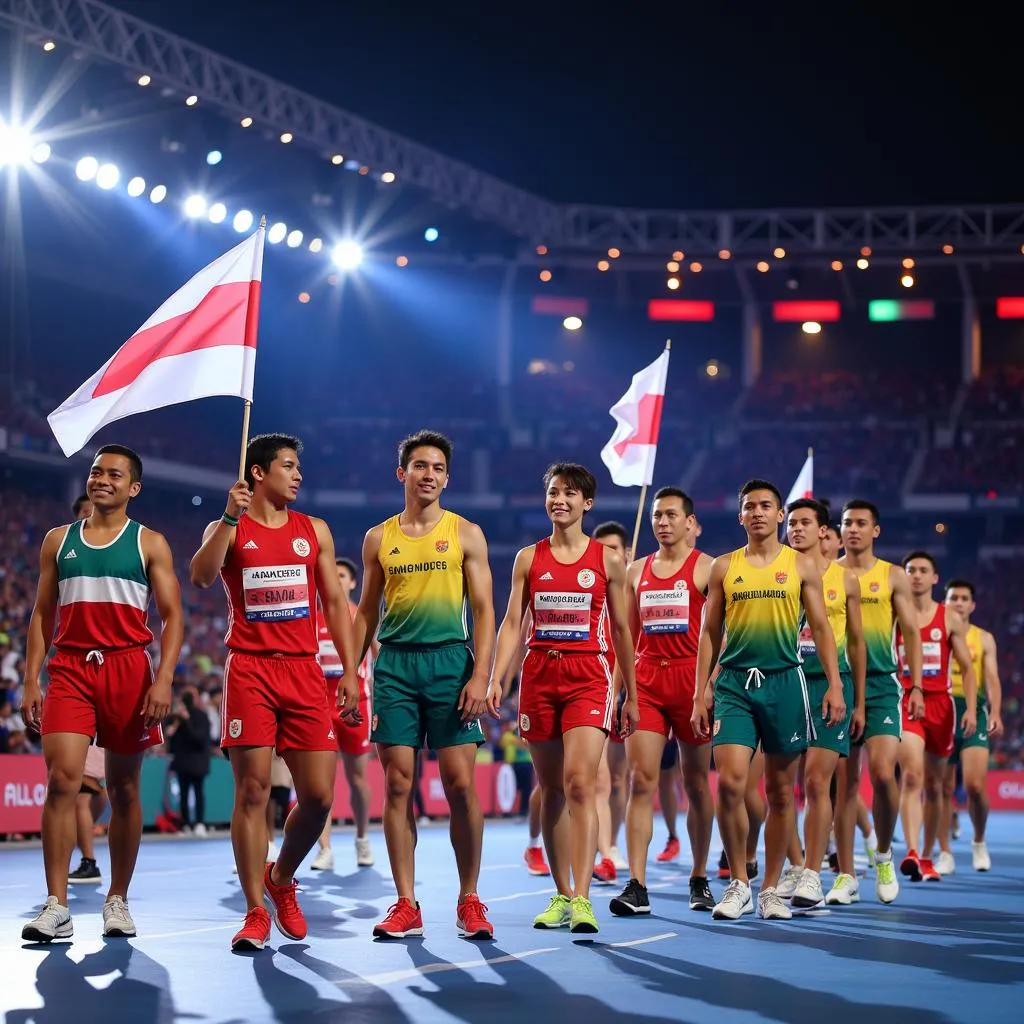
column 416, row 694
column 980, row 737
column 766, row 707
column 825, row 737
column 882, row 711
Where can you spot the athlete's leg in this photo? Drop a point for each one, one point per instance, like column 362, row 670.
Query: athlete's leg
column 695, row 762
column 249, row 818
column 734, row 766
column 64, row 754
column 946, row 809
column 845, row 817
column 549, row 762
column 358, row 790
column 975, row 764
column 863, row 815
column 466, row 823
column 883, row 751
column 125, row 832
column 819, row 768
column 911, row 760
column 603, row 805
column 779, row 779
column 399, row 764
column 757, row 809
column 934, row 773
column 643, row 753
column 312, row 774
column 583, row 746
column 668, row 797
column 84, row 822
column 536, row 800
column 617, row 769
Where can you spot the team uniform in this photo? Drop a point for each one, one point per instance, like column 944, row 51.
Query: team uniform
column 101, row 671
column 760, row 692
column 837, row 737
column 882, row 689
column 353, row 739
column 274, row 693
column 666, row 650
column 424, row 660
column 937, row 728
column 566, row 678
column 980, row 737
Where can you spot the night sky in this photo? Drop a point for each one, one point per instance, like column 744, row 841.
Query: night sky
column 743, row 105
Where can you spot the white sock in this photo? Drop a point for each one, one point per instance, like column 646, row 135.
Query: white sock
column 872, row 841
column 883, row 856
column 811, row 871
column 535, row 843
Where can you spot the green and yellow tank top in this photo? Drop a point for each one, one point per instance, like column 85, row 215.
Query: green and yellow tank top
column 977, row 660
column 834, row 586
column 762, row 613
column 877, row 618
column 424, row 586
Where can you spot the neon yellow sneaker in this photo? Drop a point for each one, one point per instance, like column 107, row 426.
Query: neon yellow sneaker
column 887, row 887
column 557, row 915
column 582, row 917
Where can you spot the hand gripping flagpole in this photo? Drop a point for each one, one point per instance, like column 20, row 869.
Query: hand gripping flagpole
column 252, row 319
column 643, row 494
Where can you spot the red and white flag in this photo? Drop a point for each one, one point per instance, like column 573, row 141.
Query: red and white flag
column 804, row 485
column 629, row 455
column 201, row 342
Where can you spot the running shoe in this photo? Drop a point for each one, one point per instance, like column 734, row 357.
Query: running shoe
column 928, row 872
column 701, row 896
column 887, row 887
column 910, row 866
column 403, row 920
column 946, row 863
column 788, row 882
column 254, row 933
column 471, row 921
column 723, row 867
column 117, row 921
column 287, row 913
column 807, row 894
column 52, row 922
column 845, row 890
column 324, row 860
column 670, row 852
column 535, row 862
column 632, row 900
column 581, row 916
column 605, row 871
column 87, row 872
column 979, row 856
column 620, row 862
column 364, row 852
column 735, row 902
column 558, row 914
column 770, row 907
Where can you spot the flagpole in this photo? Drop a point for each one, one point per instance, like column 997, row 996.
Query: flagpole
column 252, row 318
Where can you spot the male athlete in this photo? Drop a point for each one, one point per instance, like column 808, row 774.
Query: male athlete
column 275, row 563
column 884, row 600
column 666, row 599
column 427, row 686
column 96, row 579
column 755, row 595
column 971, row 752
column 928, row 740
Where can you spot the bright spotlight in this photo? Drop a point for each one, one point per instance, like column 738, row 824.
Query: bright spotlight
column 347, row 255
column 388, row 177
column 214, row 157
column 195, row 207
column 144, row 80
column 242, row 221
column 159, row 194
column 217, row 213
column 294, row 239
column 107, row 176
column 316, row 245
column 41, row 152
column 277, row 232
column 136, row 187
column 49, row 46
column 572, row 323
column 431, row 234
column 811, row 327
column 15, row 145
column 191, row 101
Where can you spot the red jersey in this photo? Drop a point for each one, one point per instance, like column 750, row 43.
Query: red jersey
column 330, row 659
column 270, row 578
column 935, row 652
column 568, row 601
column 670, row 612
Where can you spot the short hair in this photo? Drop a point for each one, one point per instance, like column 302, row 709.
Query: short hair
column 424, row 439
column 836, row 528
column 907, row 559
column 134, row 461
column 760, row 485
column 817, row 507
column 262, row 450
column 611, row 529
column 676, row 492
column 959, row 584
column 578, row 476
column 867, row 506
column 82, row 499
column 350, row 565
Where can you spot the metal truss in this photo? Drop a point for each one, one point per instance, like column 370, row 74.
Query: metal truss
column 237, row 91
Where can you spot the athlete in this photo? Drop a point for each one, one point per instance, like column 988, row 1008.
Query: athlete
column 353, row 737
column 275, row 563
column 422, row 564
column 666, row 601
column 806, row 528
column 831, row 543
column 574, row 587
column 760, row 697
column 972, row 752
column 928, row 740
column 884, row 600
column 96, row 579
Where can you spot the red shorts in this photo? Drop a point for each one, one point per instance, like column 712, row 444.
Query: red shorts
column 938, row 727
column 353, row 739
column 101, row 694
column 561, row 691
column 664, row 688
column 275, row 702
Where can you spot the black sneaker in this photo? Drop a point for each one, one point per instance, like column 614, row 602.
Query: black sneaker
column 632, row 900
column 833, row 862
column 87, row 871
column 751, row 870
column 723, row 867
column 700, row 895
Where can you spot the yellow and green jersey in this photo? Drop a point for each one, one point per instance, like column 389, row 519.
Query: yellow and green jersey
column 977, row 660
column 762, row 613
column 878, row 618
column 424, row 585
column 834, row 586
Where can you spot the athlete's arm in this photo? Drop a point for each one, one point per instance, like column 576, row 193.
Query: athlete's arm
column 957, row 633
column 633, row 573
column 511, row 625
column 702, row 572
column 218, row 539
column 903, row 610
column 856, row 651
column 476, row 697
column 833, row 704
column 709, row 646
column 167, row 594
column 41, row 625
column 622, row 639
column 338, row 618
column 368, row 613
column 993, row 687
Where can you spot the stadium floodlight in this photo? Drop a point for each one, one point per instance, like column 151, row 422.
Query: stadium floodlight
column 243, row 221
column 86, row 168
column 195, row 207
column 107, row 176
column 277, row 233
column 217, row 213
column 158, row 195
column 294, row 239
column 41, row 152
column 136, row 187
column 572, row 323
column 15, row 145
column 431, row 234
column 347, row 255
column 214, row 157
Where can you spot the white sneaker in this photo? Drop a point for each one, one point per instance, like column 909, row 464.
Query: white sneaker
column 324, row 860
column 845, row 890
column 788, row 883
column 979, row 855
column 200, row 831
column 617, row 859
column 887, row 887
column 808, row 892
column 364, row 852
column 736, row 901
column 771, row 908
column 52, row 922
column 117, row 921
column 946, row 863
column 272, row 852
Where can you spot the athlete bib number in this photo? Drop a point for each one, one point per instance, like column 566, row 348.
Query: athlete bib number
column 665, row 611
column 808, row 648
column 931, row 659
column 561, row 616
column 275, row 592
column 330, row 660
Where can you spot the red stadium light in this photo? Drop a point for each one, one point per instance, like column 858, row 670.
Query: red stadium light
column 559, row 305
column 1010, row 308
column 680, row 309
column 824, row 311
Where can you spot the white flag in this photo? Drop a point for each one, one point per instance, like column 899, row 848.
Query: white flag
column 804, row 486
column 630, row 453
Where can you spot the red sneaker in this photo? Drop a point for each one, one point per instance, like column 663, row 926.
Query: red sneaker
column 255, row 932
column 911, row 866
column 404, row 919
column 535, row 862
column 605, row 871
column 928, row 872
column 471, row 921
column 670, row 852
column 288, row 915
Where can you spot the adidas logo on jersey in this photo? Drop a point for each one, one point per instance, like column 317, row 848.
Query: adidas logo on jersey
column 739, row 579
column 547, row 576
column 71, row 554
column 394, row 551
column 887, row 720
column 250, row 545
